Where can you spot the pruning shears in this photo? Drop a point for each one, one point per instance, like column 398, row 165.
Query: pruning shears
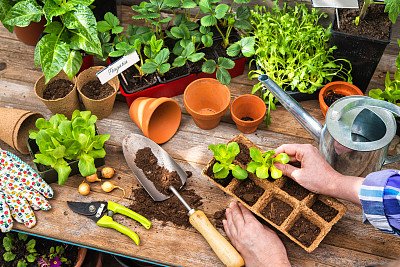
column 102, row 211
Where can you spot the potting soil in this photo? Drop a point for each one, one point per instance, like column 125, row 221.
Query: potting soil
column 95, row 90
column 57, row 89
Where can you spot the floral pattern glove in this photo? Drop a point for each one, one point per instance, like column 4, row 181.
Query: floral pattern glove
column 21, row 189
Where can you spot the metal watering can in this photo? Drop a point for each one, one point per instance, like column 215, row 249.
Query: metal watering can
column 356, row 134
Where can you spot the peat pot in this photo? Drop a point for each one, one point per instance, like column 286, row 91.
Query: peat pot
column 248, row 111
column 207, row 100
column 339, row 87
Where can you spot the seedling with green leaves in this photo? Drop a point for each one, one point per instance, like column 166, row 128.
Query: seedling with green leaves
column 392, row 88
column 292, row 48
column 60, row 139
column 71, row 27
column 223, row 65
column 225, row 154
column 391, row 6
column 263, row 163
column 10, row 245
column 222, row 15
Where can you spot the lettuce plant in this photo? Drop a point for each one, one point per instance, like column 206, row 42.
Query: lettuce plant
column 60, row 139
column 225, row 154
column 263, row 163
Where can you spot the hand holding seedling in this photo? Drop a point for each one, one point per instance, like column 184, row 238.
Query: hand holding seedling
column 317, row 175
column 21, row 189
column 262, row 163
column 257, row 244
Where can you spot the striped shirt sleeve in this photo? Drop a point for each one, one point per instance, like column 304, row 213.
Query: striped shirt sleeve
column 380, row 199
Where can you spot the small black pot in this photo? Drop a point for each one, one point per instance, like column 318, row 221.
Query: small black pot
column 364, row 54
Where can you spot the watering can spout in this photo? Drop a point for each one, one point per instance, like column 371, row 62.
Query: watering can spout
column 309, row 123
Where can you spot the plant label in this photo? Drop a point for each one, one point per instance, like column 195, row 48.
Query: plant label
column 117, row 67
column 336, row 3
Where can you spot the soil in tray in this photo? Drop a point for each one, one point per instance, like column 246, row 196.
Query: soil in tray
column 331, row 97
column 294, row 189
column 170, row 210
column 244, row 154
column 304, row 231
column 195, row 67
column 160, row 176
column 95, row 90
column 277, row 211
column 223, row 182
column 134, row 82
column 174, row 73
column 42, row 247
column 324, row 211
column 376, row 23
column 221, row 51
column 57, row 89
column 248, row 191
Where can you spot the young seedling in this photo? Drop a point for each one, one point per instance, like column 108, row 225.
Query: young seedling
column 262, row 163
column 225, row 154
column 224, row 64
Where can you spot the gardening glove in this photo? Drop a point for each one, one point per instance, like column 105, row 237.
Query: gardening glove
column 21, row 189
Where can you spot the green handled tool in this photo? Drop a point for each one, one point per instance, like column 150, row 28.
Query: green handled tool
column 102, row 211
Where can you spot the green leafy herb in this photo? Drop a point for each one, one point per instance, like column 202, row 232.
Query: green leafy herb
column 10, row 245
column 292, row 49
column 263, row 163
column 225, row 154
column 60, row 139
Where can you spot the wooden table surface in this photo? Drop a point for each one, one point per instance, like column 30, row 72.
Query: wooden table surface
column 349, row 243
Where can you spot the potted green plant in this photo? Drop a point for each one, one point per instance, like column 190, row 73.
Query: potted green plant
column 70, row 29
column 65, row 147
column 263, row 163
column 361, row 37
column 292, row 48
column 20, row 249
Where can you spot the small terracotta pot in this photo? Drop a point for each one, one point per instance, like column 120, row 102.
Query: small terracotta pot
column 338, row 87
column 81, row 256
column 30, row 34
column 248, row 106
column 15, row 127
column 158, row 118
column 207, row 100
column 103, row 107
column 66, row 105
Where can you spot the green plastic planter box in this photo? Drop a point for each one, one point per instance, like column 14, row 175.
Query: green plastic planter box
column 48, row 173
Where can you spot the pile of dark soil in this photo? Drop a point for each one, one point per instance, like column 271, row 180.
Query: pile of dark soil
column 304, row 231
column 324, row 211
column 218, row 217
column 57, row 89
column 95, row 90
column 331, row 97
column 277, row 211
column 248, row 191
column 160, row 176
column 294, row 189
column 376, row 23
column 170, row 210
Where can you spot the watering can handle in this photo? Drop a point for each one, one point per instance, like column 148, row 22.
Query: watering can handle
column 370, row 102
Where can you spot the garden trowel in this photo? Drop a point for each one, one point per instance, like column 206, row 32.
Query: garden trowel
column 130, row 145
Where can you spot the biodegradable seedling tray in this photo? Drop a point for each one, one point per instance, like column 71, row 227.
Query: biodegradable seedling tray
column 304, row 217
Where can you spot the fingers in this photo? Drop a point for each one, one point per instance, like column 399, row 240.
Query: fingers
column 6, row 221
column 288, row 170
column 20, row 210
column 237, row 215
column 247, row 215
column 36, row 200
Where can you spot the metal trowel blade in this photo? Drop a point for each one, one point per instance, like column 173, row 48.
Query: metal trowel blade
column 131, row 144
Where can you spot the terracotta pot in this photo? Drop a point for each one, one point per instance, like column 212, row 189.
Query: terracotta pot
column 339, row 87
column 30, row 34
column 158, row 118
column 15, row 127
column 207, row 100
column 103, row 107
column 66, row 105
column 248, row 106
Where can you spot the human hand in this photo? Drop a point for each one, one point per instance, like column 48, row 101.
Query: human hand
column 21, row 188
column 316, row 174
column 257, row 244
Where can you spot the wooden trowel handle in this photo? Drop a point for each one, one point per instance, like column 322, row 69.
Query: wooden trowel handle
column 224, row 250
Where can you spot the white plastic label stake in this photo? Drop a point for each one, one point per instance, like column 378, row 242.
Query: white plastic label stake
column 117, row 67
column 336, row 3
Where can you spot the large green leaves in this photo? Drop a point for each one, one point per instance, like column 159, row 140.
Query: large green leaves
column 83, row 24
column 53, row 54
column 23, row 13
column 73, row 64
column 393, row 7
